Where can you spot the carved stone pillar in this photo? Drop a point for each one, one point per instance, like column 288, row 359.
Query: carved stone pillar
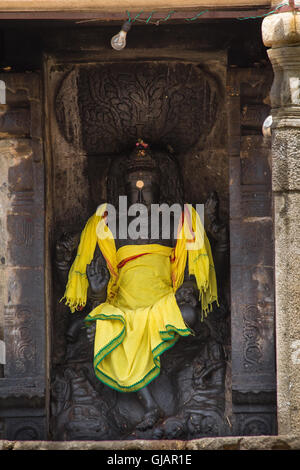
column 22, row 294
column 281, row 32
column 251, row 254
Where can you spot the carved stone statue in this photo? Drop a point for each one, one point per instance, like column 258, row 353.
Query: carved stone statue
column 143, row 178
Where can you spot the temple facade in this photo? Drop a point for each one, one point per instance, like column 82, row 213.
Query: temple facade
column 213, row 89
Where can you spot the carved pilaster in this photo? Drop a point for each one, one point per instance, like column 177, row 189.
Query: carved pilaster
column 22, row 318
column 281, row 32
column 251, row 255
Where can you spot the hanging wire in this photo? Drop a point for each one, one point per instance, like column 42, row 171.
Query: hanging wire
column 171, row 13
column 128, row 14
column 151, row 14
column 136, row 17
column 168, row 16
column 197, row 16
column 265, row 14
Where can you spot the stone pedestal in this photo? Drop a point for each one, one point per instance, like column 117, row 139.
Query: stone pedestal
column 281, row 32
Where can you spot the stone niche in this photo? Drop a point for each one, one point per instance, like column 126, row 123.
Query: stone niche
column 202, row 101
column 98, row 111
column 178, row 101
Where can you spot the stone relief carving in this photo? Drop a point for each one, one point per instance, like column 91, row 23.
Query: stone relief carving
column 190, row 389
column 252, row 336
column 20, row 341
column 106, row 108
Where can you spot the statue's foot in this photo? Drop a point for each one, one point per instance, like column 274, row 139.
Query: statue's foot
column 149, row 420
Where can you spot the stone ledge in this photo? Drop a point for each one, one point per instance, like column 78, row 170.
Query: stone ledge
column 100, row 5
column 280, row 442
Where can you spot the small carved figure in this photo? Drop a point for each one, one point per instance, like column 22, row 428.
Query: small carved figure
column 202, row 425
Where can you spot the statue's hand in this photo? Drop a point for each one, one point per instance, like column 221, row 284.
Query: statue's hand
column 216, row 228
column 187, row 303
column 98, row 276
column 186, row 294
column 219, row 232
column 212, row 207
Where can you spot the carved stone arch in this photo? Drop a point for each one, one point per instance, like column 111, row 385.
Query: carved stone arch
column 105, row 108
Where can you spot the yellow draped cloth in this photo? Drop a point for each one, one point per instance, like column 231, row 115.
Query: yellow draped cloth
column 140, row 318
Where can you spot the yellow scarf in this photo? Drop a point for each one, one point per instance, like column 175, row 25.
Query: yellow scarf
column 77, row 286
column 192, row 244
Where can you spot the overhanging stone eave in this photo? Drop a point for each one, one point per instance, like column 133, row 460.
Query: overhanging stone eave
column 116, row 10
column 119, row 5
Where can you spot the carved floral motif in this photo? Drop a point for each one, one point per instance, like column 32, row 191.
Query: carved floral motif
column 105, row 108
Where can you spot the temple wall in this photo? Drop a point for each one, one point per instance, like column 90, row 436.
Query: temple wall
column 68, row 190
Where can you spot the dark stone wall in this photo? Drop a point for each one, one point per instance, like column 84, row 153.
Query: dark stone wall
column 61, row 54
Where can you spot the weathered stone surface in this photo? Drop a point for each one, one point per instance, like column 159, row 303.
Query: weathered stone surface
column 285, row 159
column 284, row 95
column 6, row 445
column 287, row 259
column 251, row 256
column 281, row 29
column 22, row 321
column 229, row 443
column 65, row 5
column 100, row 445
column 280, row 442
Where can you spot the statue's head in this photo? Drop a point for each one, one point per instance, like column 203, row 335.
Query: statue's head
column 150, row 176
column 142, row 176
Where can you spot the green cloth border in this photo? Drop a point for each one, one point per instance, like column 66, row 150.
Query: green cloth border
column 169, row 337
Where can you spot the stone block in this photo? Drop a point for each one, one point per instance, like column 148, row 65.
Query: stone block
column 285, row 159
column 252, row 242
column 281, row 29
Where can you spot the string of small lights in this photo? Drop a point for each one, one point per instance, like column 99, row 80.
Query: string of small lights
column 171, row 13
column 157, row 22
column 265, row 14
column 118, row 42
